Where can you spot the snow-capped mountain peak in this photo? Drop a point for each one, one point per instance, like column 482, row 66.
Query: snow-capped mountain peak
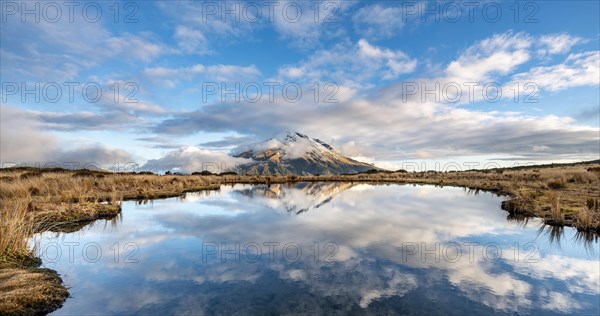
column 297, row 153
column 289, row 145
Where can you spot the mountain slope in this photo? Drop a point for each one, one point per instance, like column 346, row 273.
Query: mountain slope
column 296, row 153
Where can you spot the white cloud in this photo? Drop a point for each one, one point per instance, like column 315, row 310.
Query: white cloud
column 21, row 138
column 24, row 141
column 498, row 55
column 191, row 159
column 490, row 61
column 557, row 43
column 398, row 63
column 191, row 41
column 582, row 69
column 231, row 72
column 352, row 66
column 296, row 22
column 540, row 148
column 129, row 46
column 61, row 50
column 377, row 21
column 292, row 72
column 200, row 32
column 220, row 73
column 392, row 128
column 185, row 72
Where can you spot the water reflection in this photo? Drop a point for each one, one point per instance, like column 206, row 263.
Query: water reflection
column 297, row 198
column 554, row 233
column 346, row 248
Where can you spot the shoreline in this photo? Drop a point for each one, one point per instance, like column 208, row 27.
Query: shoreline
column 67, row 200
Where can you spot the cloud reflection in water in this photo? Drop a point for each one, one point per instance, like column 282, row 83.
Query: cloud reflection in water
column 373, row 267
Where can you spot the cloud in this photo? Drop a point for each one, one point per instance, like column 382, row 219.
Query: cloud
column 21, row 138
column 411, row 128
column 218, row 73
column 386, row 127
column 133, row 47
column 398, row 63
column 126, row 100
column 161, row 142
column 182, row 73
column 191, row 159
column 24, row 141
column 559, row 43
column 112, row 111
column 490, row 62
column 582, row 69
column 229, row 141
column 297, row 23
column 498, row 55
column 191, row 41
column 540, row 148
column 200, row 32
column 380, row 124
column 93, row 153
column 231, row 72
column 60, row 51
column 591, row 113
column 86, row 120
column 376, row 21
column 29, row 62
column 353, row 66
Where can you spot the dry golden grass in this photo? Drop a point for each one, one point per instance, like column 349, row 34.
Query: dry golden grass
column 15, row 226
column 555, row 211
column 30, row 291
column 585, row 219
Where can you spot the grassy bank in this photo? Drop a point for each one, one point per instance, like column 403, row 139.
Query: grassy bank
column 33, row 200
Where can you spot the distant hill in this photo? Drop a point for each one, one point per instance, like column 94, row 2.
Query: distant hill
column 298, row 154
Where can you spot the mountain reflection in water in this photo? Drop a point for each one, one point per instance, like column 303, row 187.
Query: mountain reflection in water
column 351, row 248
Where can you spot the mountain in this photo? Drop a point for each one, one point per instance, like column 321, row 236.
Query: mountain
column 296, row 199
column 296, row 153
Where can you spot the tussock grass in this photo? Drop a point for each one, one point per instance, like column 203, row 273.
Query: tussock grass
column 585, row 219
column 555, row 210
column 557, row 184
column 15, row 226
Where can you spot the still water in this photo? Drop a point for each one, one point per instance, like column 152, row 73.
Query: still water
column 324, row 248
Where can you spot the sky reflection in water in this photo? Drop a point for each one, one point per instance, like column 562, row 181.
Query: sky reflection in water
column 333, row 248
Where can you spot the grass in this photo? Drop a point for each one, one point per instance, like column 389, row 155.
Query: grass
column 15, row 225
column 34, row 200
column 30, row 291
column 556, row 214
column 585, row 220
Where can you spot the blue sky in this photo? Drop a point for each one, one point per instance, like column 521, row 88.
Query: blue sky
column 366, row 54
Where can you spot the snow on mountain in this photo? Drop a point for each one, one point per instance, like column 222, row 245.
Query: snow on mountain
column 295, row 153
column 298, row 199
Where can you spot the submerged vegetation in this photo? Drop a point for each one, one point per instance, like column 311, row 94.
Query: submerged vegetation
column 37, row 200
